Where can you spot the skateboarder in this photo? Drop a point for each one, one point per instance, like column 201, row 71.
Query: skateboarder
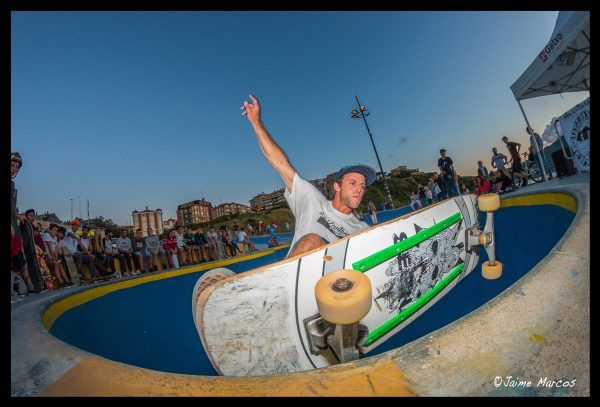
column 318, row 220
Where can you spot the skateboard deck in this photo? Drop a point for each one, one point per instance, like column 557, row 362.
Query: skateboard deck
column 73, row 273
column 253, row 323
column 49, row 280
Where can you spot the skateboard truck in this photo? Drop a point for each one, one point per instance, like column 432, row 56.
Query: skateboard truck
column 491, row 269
column 342, row 339
column 343, row 298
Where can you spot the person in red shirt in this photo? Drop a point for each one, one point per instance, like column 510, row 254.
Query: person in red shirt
column 169, row 243
column 482, row 185
column 17, row 259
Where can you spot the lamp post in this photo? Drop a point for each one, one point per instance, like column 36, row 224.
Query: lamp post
column 71, row 209
column 362, row 113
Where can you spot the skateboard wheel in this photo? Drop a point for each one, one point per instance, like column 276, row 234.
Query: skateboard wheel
column 343, row 296
column 488, row 202
column 491, row 272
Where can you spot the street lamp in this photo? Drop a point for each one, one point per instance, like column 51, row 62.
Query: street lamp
column 71, row 209
column 362, row 113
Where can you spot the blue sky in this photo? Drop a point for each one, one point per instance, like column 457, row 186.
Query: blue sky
column 136, row 109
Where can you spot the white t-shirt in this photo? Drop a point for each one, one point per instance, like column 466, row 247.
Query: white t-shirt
column 241, row 236
column 498, row 161
column 50, row 242
column 315, row 214
column 69, row 242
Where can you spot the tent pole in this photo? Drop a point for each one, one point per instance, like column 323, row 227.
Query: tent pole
column 535, row 144
column 561, row 143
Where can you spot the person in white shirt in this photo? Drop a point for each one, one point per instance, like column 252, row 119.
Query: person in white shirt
column 499, row 161
column 318, row 220
column 52, row 254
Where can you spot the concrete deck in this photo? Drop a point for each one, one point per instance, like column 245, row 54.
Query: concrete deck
column 537, row 331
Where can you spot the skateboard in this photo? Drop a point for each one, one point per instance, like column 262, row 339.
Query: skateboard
column 340, row 301
column 73, row 273
column 49, row 280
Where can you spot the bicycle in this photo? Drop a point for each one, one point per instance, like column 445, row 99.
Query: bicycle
column 531, row 170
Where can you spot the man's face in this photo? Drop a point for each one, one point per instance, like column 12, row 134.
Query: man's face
column 123, row 233
column 53, row 231
column 494, row 151
column 84, row 232
column 150, row 232
column 14, row 168
column 139, row 234
column 351, row 189
column 60, row 235
column 30, row 216
column 505, row 140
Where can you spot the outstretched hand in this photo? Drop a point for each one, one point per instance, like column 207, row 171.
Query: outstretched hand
column 251, row 110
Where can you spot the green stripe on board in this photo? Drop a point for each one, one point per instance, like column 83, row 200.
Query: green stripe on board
column 378, row 332
column 383, row 255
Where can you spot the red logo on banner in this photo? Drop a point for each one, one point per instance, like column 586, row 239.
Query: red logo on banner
column 543, row 56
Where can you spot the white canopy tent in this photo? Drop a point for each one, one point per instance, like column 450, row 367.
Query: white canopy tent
column 562, row 66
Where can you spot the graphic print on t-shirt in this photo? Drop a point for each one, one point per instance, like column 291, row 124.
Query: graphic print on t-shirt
column 331, row 226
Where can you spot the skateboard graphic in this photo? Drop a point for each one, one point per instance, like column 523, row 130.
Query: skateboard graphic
column 342, row 300
column 73, row 273
column 49, row 280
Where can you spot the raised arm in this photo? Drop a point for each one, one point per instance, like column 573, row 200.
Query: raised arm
column 269, row 147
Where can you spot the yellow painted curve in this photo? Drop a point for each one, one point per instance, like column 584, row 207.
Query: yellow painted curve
column 565, row 201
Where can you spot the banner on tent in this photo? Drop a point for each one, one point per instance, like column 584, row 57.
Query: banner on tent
column 575, row 127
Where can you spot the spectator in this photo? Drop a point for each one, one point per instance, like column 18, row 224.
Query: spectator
column 431, row 184
column 125, row 248
column 188, row 238
column 230, row 242
column 242, row 237
column 184, row 250
column 440, row 191
column 533, row 140
column 428, row 195
column 382, row 206
column 201, row 242
column 482, row 185
column 86, row 255
column 272, row 238
column 18, row 264
column 54, row 262
column 110, row 253
column 171, row 248
column 212, row 241
column 499, row 161
column 482, row 170
column 421, row 195
column 446, row 166
column 514, row 149
column 464, row 189
column 153, row 247
column 15, row 165
column 415, row 202
column 372, row 212
column 139, row 252
column 31, row 238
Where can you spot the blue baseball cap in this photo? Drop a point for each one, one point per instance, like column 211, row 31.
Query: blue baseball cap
column 363, row 169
